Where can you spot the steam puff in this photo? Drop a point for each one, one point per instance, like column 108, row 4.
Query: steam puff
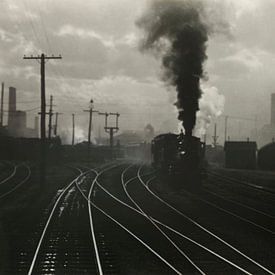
column 80, row 136
column 211, row 107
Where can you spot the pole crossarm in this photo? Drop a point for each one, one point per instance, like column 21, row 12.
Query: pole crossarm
column 41, row 56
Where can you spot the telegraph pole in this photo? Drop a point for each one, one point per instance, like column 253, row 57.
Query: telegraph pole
column 2, row 106
column 91, row 111
column 50, row 118
column 56, row 122
column 42, row 58
column 73, row 116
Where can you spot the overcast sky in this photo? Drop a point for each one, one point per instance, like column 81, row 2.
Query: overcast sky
column 98, row 40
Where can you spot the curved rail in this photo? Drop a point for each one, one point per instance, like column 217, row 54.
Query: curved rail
column 124, row 184
column 202, row 227
column 49, row 220
column 95, row 181
column 19, row 184
column 11, row 175
column 170, row 228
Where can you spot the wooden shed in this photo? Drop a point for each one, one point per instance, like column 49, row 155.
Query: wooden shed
column 240, row 154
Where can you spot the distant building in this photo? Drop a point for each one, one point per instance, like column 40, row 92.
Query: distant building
column 17, row 120
column 129, row 137
column 240, row 154
column 267, row 133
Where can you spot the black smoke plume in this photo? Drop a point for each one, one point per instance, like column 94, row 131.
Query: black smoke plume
column 176, row 31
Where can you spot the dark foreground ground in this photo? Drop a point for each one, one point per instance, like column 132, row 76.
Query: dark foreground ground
column 238, row 214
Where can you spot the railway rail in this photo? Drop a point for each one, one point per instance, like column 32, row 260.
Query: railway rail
column 259, row 267
column 231, row 180
column 64, row 245
column 12, row 183
column 240, row 195
column 71, row 241
column 158, row 223
column 11, row 175
column 111, row 217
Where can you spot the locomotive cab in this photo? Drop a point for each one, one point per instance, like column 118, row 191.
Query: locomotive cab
column 180, row 157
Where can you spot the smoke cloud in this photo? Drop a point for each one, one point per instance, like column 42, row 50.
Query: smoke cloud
column 178, row 31
column 80, row 136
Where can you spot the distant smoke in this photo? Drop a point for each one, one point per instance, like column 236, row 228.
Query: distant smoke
column 177, row 31
column 80, row 136
column 211, row 107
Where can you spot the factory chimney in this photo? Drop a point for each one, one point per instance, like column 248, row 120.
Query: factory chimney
column 272, row 109
column 36, row 126
column 12, row 105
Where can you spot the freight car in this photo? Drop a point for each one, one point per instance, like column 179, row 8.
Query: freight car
column 179, row 156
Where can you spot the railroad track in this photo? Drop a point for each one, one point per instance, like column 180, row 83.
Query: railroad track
column 65, row 245
column 72, row 243
column 111, row 216
column 160, row 227
column 15, row 180
column 232, row 180
column 223, row 246
column 261, row 202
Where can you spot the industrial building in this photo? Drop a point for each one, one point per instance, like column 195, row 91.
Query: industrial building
column 240, row 154
column 17, row 120
column 267, row 133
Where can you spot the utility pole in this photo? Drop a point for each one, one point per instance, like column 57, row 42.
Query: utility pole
column 56, row 122
column 111, row 130
column 215, row 137
column 91, row 111
column 50, row 118
column 42, row 58
column 225, row 128
column 73, row 116
column 2, row 106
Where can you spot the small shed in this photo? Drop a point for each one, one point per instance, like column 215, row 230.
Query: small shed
column 240, row 154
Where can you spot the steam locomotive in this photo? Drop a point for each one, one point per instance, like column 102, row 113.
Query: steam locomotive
column 179, row 156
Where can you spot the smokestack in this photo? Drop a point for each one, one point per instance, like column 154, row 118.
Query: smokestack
column 272, row 121
column 2, row 106
column 36, row 125
column 12, row 105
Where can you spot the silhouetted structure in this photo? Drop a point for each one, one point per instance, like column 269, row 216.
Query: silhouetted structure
column 17, row 120
column 272, row 120
column 240, row 154
column 266, row 157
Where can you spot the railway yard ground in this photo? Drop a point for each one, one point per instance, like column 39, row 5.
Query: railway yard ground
column 123, row 217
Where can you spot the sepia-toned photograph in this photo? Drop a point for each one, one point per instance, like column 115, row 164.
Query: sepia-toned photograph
column 137, row 137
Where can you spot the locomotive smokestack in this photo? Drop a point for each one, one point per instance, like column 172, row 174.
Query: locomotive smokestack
column 175, row 30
